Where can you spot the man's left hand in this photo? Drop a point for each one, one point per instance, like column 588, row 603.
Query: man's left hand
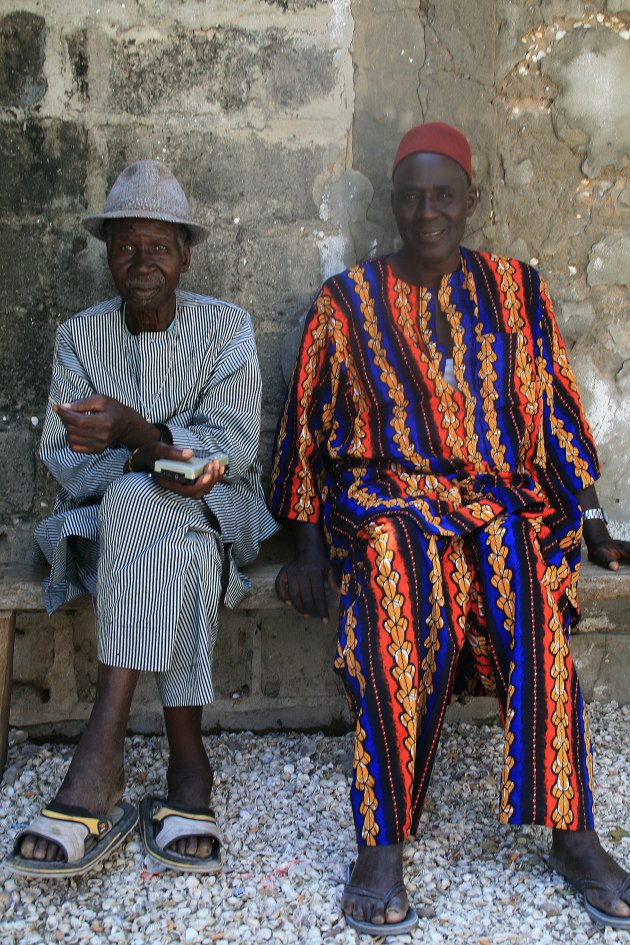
column 213, row 472
column 609, row 552
column 143, row 460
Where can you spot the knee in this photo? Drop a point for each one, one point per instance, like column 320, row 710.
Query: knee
column 127, row 499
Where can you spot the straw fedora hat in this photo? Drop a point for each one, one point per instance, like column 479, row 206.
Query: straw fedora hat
column 146, row 190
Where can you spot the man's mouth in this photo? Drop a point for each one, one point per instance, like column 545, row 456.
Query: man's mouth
column 141, row 288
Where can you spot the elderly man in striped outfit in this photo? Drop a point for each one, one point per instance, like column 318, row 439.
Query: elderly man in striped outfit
column 152, row 374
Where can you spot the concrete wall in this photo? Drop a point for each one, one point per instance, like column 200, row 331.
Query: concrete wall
column 281, row 119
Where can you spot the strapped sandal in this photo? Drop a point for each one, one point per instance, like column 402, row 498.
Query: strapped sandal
column 583, row 886
column 162, row 824
column 84, row 839
column 383, row 929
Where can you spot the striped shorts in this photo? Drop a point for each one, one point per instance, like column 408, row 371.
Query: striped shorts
column 161, row 571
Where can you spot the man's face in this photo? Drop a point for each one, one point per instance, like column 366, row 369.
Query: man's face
column 146, row 259
column 432, row 200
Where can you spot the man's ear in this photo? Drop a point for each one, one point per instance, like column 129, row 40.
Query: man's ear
column 186, row 259
column 472, row 199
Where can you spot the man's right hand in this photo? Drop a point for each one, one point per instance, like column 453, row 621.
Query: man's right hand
column 303, row 583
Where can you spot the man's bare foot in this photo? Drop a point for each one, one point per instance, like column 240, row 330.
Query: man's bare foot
column 95, row 779
column 578, row 855
column 376, row 870
column 191, row 786
column 94, row 783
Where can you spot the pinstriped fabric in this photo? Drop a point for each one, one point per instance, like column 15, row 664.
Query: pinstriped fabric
column 210, row 401
column 453, row 507
column 159, row 587
column 200, row 378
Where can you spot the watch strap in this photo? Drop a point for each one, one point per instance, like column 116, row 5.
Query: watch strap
column 590, row 515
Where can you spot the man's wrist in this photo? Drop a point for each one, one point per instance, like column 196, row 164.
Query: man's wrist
column 594, row 515
column 309, row 538
column 165, row 434
column 595, row 532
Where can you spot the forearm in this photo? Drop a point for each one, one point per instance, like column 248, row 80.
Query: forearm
column 140, row 433
column 594, row 530
column 308, row 538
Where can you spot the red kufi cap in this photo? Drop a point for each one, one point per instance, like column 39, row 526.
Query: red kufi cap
column 438, row 138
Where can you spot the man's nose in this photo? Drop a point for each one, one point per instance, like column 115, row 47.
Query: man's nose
column 143, row 257
column 427, row 205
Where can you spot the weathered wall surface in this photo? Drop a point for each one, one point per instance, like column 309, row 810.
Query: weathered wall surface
column 281, row 119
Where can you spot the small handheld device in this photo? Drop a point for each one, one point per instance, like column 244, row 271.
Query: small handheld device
column 187, row 470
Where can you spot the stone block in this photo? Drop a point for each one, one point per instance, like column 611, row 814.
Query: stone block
column 43, row 670
column 255, row 180
column 389, row 51
column 25, row 359
column 21, row 279
column 214, row 266
column 585, row 67
column 279, row 273
column 17, row 471
column 297, row 657
column 240, row 177
column 575, row 319
column 77, row 44
column 232, row 666
column 602, row 662
column 609, row 261
column 34, row 645
column 22, row 54
column 45, row 270
column 44, row 166
column 458, row 32
column 83, row 622
column 227, row 69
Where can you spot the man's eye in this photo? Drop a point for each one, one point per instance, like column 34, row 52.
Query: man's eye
column 444, row 195
column 160, row 248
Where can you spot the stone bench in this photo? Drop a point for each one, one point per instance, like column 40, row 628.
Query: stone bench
column 21, row 592
column 272, row 667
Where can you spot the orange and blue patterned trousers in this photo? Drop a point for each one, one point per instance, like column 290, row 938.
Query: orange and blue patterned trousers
column 409, row 604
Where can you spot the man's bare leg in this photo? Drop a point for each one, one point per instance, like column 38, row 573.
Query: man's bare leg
column 189, row 774
column 95, row 779
column 578, row 854
column 376, row 870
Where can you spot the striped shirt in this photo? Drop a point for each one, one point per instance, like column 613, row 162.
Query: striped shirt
column 200, row 378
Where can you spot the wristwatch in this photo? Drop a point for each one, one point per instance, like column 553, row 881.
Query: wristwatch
column 590, row 514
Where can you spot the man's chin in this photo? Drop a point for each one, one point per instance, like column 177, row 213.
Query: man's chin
column 142, row 298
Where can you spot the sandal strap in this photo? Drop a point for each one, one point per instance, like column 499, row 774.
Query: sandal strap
column 624, row 888
column 596, row 885
column 68, row 831
column 161, row 811
column 94, row 825
column 386, row 898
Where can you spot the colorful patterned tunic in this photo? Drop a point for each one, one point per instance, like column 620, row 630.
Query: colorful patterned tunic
column 453, row 509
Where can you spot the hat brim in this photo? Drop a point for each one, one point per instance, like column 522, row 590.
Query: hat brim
column 96, row 224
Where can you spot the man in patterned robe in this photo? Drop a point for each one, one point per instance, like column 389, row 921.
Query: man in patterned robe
column 434, row 462
column 154, row 373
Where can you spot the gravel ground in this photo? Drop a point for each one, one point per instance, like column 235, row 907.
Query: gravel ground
column 282, row 801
